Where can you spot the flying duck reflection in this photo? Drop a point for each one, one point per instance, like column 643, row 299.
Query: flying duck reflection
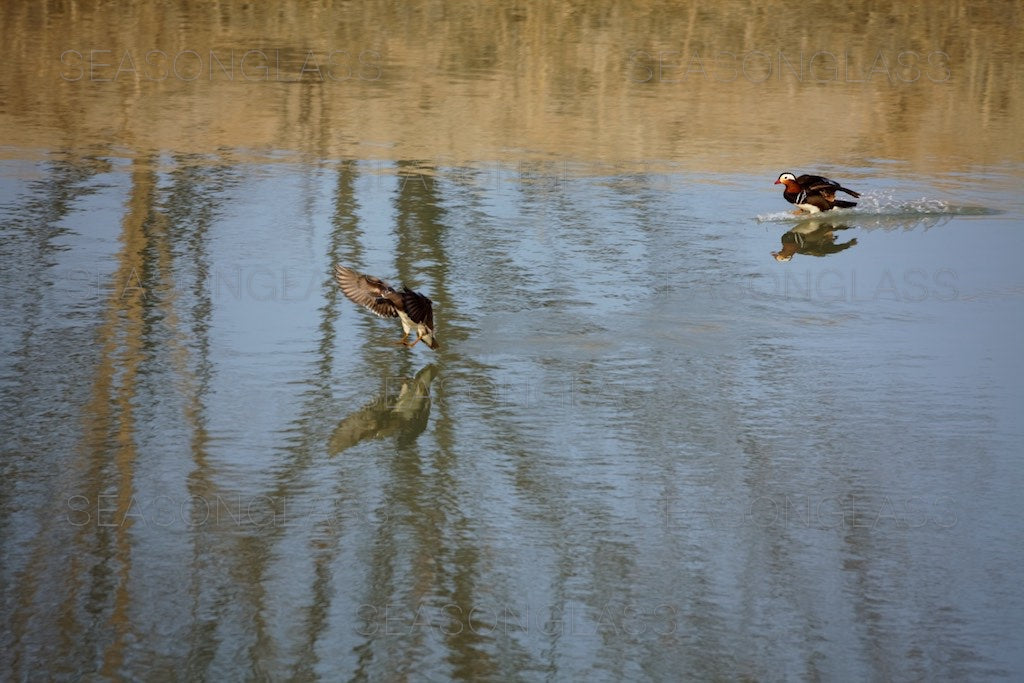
column 813, row 238
column 403, row 416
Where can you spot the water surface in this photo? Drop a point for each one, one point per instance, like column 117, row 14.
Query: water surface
column 671, row 427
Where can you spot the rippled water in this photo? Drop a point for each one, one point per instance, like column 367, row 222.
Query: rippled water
column 672, row 430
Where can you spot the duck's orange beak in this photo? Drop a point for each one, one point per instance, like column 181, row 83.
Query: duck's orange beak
column 777, row 182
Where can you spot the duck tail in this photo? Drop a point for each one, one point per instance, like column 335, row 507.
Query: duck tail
column 841, row 204
column 850, row 192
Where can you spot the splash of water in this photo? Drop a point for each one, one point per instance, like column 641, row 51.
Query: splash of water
column 884, row 203
column 882, row 206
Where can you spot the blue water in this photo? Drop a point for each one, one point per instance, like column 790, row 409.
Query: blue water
column 646, row 446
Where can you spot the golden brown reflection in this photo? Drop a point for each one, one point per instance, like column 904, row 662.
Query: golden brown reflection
column 698, row 84
column 812, row 238
column 114, row 396
column 96, row 619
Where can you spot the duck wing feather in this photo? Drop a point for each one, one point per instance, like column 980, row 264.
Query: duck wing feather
column 368, row 291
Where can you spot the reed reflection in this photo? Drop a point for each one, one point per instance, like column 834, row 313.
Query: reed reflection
column 333, row 77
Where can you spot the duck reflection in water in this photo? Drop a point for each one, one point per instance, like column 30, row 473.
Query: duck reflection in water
column 403, row 416
column 813, row 238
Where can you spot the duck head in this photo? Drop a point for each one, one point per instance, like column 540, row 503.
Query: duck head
column 785, row 179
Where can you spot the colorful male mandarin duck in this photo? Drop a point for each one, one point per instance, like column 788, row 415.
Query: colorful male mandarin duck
column 813, row 193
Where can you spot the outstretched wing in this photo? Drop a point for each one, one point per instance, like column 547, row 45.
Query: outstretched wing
column 824, row 186
column 817, row 183
column 368, row 291
column 418, row 307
